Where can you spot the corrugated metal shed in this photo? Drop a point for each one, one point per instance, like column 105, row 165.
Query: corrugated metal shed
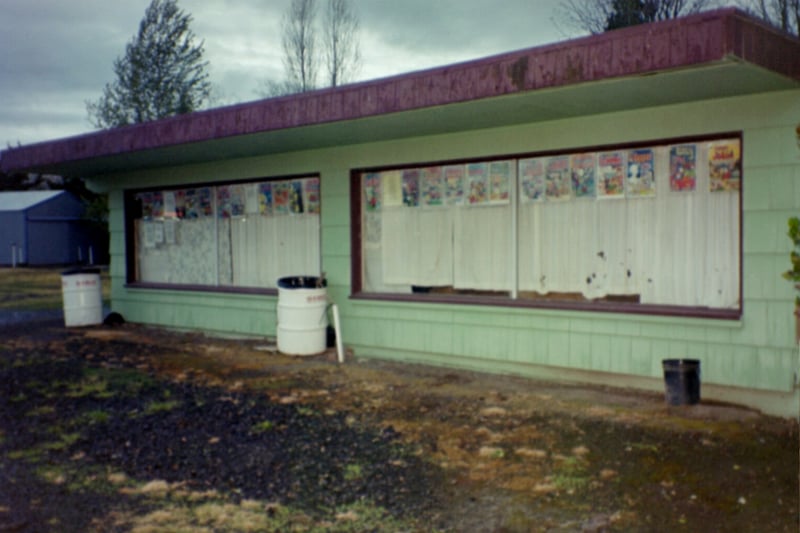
column 40, row 228
column 23, row 200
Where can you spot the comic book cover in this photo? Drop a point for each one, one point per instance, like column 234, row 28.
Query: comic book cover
column 192, row 204
column 281, row 192
column 532, row 182
column 724, row 166
column 582, row 172
column 411, row 187
column 372, row 191
column 224, row 201
column 558, row 184
column 432, row 186
column 237, row 200
column 205, row 205
column 265, row 198
column 682, row 167
column 180, row 203
column 641, row 174
column 311, row 195
column 158, row 204
column 146, row 199
column 477, row 183
column 454, row 184
column 611, row 175
column 296, row 206
column 230, row 201
column 500, row 174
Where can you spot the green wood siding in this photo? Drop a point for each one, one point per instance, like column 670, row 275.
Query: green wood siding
column 756, row 352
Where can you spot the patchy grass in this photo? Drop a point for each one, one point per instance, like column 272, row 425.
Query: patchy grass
column 34, row 289
column 177, row 510
column 353, row 471
column 262, row 427
column 570, row 475
column 161, row 407
column 514, row 457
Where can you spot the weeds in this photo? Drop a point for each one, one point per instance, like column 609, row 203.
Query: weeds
column 262, row 427
column 30, row 289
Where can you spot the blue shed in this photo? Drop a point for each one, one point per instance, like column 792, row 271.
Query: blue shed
column 40, row 228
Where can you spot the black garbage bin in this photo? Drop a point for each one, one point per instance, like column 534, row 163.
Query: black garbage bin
column 682, row 381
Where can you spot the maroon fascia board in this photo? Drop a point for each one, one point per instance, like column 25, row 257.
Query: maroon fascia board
column 690, row 41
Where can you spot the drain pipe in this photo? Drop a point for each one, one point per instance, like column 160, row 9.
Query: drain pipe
column 337, row 329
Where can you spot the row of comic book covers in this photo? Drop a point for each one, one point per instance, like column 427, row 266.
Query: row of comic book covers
column 611, row 174
column 285, row 197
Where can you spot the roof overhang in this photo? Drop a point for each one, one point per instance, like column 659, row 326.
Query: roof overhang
column 717, row 54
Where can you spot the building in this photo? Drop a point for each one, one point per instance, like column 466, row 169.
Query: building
column 39, row 228
column 576, row 211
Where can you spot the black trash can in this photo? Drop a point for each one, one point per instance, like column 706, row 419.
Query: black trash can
column 682, row 381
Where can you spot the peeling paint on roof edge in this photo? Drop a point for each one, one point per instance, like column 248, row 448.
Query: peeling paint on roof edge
column 697, row 40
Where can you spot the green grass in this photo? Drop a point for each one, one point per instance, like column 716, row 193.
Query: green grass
column 35, row 289
column 262, row 427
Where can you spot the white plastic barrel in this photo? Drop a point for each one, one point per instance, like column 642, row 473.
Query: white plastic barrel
column 83, row 297
column 302, row 315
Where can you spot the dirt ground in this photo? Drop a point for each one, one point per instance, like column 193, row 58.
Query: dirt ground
column 137, row 429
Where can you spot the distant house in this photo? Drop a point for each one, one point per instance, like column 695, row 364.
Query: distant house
column 578, row 211
column 40, row 228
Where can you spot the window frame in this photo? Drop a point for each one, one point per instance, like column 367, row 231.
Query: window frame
column 357, row 251
column 131, row 213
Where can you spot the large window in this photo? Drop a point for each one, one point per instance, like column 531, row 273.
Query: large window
column 648, row 228
column 245, row 234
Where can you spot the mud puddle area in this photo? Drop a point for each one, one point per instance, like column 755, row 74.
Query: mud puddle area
column 136, row 429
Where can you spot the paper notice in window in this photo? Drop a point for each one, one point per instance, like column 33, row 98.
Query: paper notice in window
column 169, row 231
column 392, row 184
column 169, row 204
column 158, row 232
column 251, row 200
column 149, row 236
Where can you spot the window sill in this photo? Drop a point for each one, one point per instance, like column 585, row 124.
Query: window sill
column 201, row 288
column 554, row 305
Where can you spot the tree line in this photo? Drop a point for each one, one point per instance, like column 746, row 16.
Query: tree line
column 598, row 16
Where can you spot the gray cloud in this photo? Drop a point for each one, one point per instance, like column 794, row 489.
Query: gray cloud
column 55, row 54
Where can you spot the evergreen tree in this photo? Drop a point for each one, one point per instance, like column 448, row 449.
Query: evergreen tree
column 628, row 13
column 597, row 16
column 161, row 74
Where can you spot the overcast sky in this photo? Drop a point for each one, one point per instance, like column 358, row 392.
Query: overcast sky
column 57, row 54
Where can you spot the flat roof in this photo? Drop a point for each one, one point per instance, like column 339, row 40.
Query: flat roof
column 714, row 54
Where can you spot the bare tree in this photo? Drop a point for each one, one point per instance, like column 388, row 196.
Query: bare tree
column 299, row 43
column 783, row 14
column 340, row 45
column 595, row 16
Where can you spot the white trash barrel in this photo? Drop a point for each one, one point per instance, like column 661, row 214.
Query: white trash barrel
column 83, row 297
column 302, row 315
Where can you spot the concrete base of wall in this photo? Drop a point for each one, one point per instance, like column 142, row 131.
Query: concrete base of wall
column 781, row 404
